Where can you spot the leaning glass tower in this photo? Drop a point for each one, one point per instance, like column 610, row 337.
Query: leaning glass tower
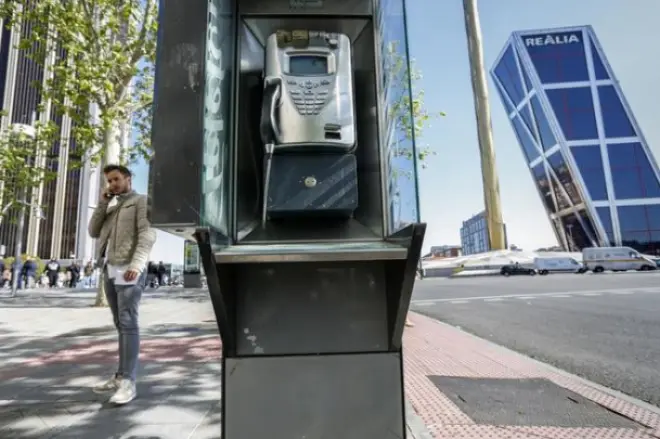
column 587, row 155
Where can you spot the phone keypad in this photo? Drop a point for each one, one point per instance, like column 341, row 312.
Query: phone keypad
column 309, row 96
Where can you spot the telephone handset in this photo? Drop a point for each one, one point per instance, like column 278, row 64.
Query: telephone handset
column 271, row 100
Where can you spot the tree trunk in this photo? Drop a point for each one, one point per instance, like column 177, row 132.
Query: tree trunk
column 111, row 155
column 101, row 301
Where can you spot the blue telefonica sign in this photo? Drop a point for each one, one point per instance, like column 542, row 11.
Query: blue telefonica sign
column 551, row 39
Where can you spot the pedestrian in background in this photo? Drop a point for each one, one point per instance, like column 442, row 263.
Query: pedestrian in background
column 125, row 238
column 53, row 273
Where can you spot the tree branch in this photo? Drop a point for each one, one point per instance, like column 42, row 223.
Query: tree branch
column 138, row 50
column 91, row 23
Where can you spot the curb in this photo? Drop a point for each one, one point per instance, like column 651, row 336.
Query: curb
column 415, row 427
column 614, row 393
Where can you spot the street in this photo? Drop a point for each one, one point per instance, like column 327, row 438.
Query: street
column 605, row 328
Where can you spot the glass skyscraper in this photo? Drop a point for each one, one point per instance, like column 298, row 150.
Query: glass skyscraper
column 589, row 160
column 475, row 235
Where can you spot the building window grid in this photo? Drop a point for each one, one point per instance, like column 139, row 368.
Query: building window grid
column 560, row 59
column 550, row 174
column 568, row 112
column 512, row 76
column 531, row 132
column 599, row 115
column 651, row 245
column 607, row 141
column 635, row 168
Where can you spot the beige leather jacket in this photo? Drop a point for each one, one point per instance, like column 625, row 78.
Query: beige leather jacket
column 123, row 230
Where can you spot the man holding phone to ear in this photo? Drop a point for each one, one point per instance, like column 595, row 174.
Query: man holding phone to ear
column 120, row 223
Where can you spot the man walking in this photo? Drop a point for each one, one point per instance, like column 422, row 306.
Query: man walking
column 125, row 238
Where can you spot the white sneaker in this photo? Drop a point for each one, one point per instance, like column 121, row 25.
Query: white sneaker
column 108, row 386
column 125, row 393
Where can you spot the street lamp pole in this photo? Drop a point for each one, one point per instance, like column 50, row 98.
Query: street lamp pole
column 491, row 183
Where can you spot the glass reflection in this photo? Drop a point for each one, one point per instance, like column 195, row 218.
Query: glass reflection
column 507, row 105
column 560, row 198
column 606, row 220
column 577, row 236
column 615, row 120
column 560, row 168
column 632, row 174
column 640, row 227
column 217, row 99
column 574, row 109
column 528, row 146
column 599, row 67
column 543, row 185
column 546, row 135
column 590, row 164
column 588, row 225
column 397, row 102
column 508, row 74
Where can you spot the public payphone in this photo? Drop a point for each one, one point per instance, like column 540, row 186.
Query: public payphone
column 308, row 93
column 280, row 105
column 308, row 126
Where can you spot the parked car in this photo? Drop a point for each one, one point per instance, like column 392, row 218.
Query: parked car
column 516, row 270
column 558, row 264
column 599, row 259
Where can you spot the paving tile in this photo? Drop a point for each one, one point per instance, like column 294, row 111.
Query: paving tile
column 435, row 351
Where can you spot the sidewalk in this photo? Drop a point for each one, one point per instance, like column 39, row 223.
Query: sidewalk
column 459, row 386
column 465, row 387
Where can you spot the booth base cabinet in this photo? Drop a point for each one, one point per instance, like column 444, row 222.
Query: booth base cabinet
column 354, row 396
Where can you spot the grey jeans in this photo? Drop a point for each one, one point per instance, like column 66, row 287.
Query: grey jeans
column 124, row 302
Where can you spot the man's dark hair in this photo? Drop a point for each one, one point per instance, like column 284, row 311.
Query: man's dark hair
column 123, row 170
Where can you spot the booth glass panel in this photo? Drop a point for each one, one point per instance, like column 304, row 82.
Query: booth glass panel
column 397, row 117
column 220, row 43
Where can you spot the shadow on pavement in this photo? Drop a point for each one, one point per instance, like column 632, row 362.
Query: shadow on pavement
column 175, row 400
column 50, row 359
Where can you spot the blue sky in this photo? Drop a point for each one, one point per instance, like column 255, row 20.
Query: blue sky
column 450, row 188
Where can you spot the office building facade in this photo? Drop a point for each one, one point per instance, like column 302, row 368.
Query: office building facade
column 587, row 156
column 61, row 231
column 475, row 236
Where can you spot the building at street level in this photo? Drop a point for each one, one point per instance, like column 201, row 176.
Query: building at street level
column 474, row 235
column 586, row 153
column 62, row 231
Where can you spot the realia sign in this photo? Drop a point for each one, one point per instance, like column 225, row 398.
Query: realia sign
column 552, row 39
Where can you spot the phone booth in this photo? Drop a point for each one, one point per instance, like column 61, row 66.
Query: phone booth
column 284, row 148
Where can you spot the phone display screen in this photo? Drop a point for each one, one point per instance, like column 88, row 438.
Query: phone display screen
column 308, row 65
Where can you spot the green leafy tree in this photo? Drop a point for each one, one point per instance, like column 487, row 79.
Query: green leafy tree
column 408, row 111
column 23, row 155
column 104, row 53
column 101, row 54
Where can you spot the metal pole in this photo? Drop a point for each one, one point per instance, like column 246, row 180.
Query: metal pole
column 18, row 248
column 491, row 183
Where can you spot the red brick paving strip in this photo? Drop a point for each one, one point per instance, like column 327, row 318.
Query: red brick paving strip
column 432, row 348
column 189, row 349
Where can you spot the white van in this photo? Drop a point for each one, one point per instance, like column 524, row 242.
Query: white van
column 558, row 264
column 599, row 259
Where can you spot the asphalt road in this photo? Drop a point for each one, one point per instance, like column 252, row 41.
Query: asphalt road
column 605, row 328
